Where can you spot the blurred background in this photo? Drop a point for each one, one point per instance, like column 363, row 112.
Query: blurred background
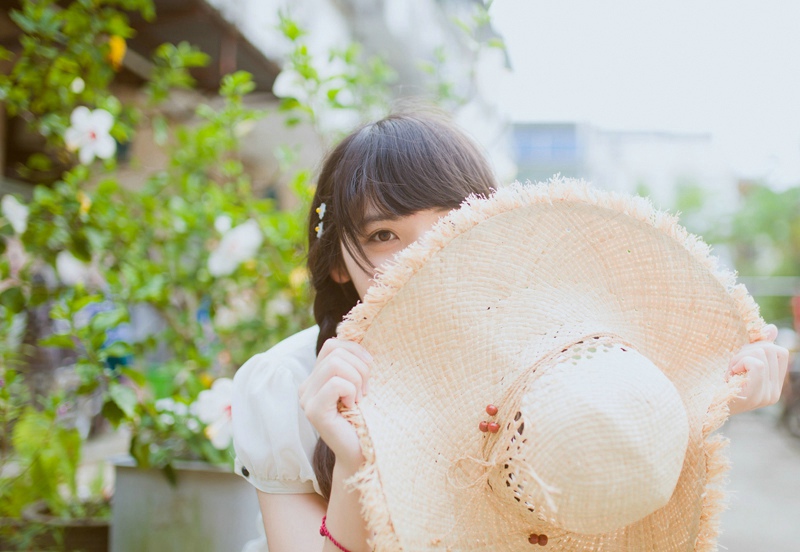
column 157, row 159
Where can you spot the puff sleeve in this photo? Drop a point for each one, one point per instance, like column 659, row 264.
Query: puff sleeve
column 273, row 439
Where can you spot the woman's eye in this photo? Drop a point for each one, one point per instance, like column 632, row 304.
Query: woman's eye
column 382, row 236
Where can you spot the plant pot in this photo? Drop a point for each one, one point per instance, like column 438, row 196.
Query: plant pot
column 13, row 532
column 210, row 508
column 37, row 529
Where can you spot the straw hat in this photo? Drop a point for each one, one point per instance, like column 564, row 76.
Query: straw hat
column 548, row 369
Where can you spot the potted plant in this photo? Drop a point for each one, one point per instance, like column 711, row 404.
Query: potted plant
column 161, row 292
column 41, row 503
column 155, row 291
column 188, row 441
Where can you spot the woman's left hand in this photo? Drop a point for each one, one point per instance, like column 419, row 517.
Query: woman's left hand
column 765, row 364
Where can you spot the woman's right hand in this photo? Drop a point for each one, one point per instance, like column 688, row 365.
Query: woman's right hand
column 340, row 374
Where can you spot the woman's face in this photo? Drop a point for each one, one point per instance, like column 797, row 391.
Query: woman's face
column 381, row 239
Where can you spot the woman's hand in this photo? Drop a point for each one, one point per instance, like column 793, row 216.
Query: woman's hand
column 340, row 374
column 766, row 365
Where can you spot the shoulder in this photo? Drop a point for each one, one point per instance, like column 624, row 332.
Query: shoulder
column 293, row 357
column 273, row 439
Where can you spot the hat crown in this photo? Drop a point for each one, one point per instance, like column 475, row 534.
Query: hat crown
column 599, row 441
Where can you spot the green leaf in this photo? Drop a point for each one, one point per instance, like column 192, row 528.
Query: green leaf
column 112, row 413
column 64, row 341
column 465, row 28
column 151, row 290
column 124, row 398
column 160, row 130
column 134, row 375
column 83, row 302
column 13, row 299
column 118, row 349
column 140, row 450
column 332, row 93
column 237, row 84
column 289, row 28
column 171, row 474
column 39, row 162
column 287, row 104
column 87, row 388
column 103, row 321
column 97, row 340
column 496, row 43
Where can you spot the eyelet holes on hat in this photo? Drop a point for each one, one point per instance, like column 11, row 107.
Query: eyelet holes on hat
column 514, row 480
column 586, row 349
column 521, row 481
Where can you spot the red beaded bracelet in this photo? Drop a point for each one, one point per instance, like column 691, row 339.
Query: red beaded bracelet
column 323, row 531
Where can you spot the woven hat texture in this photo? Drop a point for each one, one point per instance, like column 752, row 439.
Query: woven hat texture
column 599, row 328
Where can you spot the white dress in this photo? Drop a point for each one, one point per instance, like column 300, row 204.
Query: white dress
column 273, row 439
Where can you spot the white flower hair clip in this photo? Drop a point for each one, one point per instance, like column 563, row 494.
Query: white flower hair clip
column 321, row 212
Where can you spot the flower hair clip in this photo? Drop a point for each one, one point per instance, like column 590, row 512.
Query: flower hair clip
column 321, row 212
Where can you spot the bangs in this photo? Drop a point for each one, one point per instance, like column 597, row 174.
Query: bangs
column 400, row 166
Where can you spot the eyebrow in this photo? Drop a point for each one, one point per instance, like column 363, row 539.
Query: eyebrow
column 379, row 218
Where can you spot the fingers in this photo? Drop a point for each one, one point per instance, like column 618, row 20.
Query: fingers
column 755, row 388
column 340, row 375
column 338, row 358
column 778, row 358
column 338, row 389
column 766, row 365
column 324, row 401
column 345, row 357
column 341, row 362
column 753, row 366
column 334, row 370
column 322, row 410
column 771, row 332
column 753, row 350
column 783, row 362
column 768, row 334
column 335, row 344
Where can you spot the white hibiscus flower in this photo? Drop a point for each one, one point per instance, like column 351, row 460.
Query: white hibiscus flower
column 223, row 223
column 89, row 134
column 280, row 306
column 15, row 213
column 77, row 86
column 70, row 270
column 288, row 84
column 214, row 410
column 237, row 245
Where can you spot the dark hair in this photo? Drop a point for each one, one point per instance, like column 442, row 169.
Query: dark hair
column 397, row 166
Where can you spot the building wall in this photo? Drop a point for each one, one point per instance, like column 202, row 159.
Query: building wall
column 403, row 32
column 621, row 160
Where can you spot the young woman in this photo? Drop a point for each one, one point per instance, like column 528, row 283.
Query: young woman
column 380, row 189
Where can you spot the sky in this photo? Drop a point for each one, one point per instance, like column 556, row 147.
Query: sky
column 726, row 67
